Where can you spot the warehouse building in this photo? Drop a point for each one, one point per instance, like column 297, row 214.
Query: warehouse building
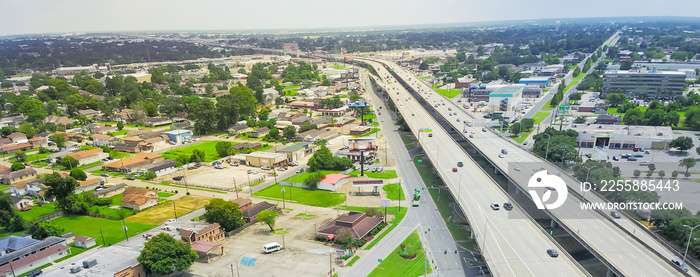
column 625, row 137
column 505, row 99
column 644, row 84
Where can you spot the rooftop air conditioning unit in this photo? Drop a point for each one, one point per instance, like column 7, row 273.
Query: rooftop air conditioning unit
column 660, row 134
column 638, row 134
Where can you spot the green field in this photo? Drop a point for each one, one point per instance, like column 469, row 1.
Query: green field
column 301, row 177
column 318, row 198
column 395, row 265
column 337, row 66
column 119, row 133
column 546, row 106
column 209, row 148
column 579, row 77
column 387, row 174
column 113, row 213
column 393, row 191
column 88, row 147
column 90, row 226
column 570, row 85
column 37, row 212
column 88, row 166
column 539, row 117
column 120, row 155
column 449, row 93
column 374, row 130
column 353, row 260
column 32, row 157
column 407, row 142
column 165, row 194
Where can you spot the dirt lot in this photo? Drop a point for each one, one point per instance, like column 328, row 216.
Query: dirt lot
column 164, row 211
column 302, row 256
column 210, row 177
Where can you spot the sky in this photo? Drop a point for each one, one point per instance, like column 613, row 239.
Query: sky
column 70, row 16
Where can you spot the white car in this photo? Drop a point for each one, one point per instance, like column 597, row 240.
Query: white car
column 495, row 206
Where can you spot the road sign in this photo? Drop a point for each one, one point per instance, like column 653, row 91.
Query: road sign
column 427, row 130
column 379, row 260
column 419, row 161
column 386, row 203
column 391, row 69
column 340, row 252
column 564, row 107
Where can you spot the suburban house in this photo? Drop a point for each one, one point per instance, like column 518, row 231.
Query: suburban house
column 4, row 169
column 89, row 156
column 243, row 203
column 110, row 191
column 22, row 203
column 205, row 240
column 58, row 120
column 157, row 121
column 162, row 167
column 84, row 242
column 12, row 148
column 250, row 213
column 90, row 113
column 239, row 129
column 333, row 181
column 138, row 199
column 29, row 254
column 70, row 136
column 104, row 140
column 131, row 164
column 358, row 223
column 246, row 145
column 37, row 142
column 260, row 132
column 129, row 145
column 19, row 189
column 143, row 134
column 181, row 125
column 360, row 130
column 153, row 142
column 18, row 138
column 12, row 121
column 19, row 176
column 88, row 185
column 103, row 130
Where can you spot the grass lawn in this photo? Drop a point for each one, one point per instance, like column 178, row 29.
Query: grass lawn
column 88, row 147
column 119, row 133
column 39, row 164
column 539, row 117
column 570, row 85
column 305, row 215
column 546, row 106
column 4, row 187
column 114, row 213
column 290, row 93
column 337, row 66
column 522, row 137
column 387, row 174
column 88, row 166
column 291, row 88
column 164, row 211
column 300, row 178
column 398, row 216
column 579, row 77
column 449, row 93
column 165, row 194
column 37, row 212
column 408, row 142
column 431, row 178
column 375, row 124
column 256, row 183
column 120, row 155
column 318, row 198
column 90, row 226
column 5, row 234
column 353, row 260
column 374, row 130
column 32, row 157
column 209, row 148
column 395, row 265
column 393, row 191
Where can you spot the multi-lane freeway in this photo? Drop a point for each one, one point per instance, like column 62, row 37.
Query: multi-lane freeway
column 627, row 249
column 511, row 242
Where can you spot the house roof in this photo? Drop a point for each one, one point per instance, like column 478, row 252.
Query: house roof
column 31, row 258
column 109, row 189
column 208, row 228
column 239, row 127
column 101, row 136
column 242, row 201
column 37, row 138
column 295, row 147
column 136, row 196
column 17, row 136
column 334, row 178
column 83, row 239
column 4, row 169
column 359, row 224
column 86, row 153
column 18, row 173
column 262, row 130
column 25, row 253
column 15, row 146
column 16, row 242
column 20, row 185
column 257, row 208
column 203, row 246
column 168, row 163
column 154, row 140
column 89, row 182
column 137, row 160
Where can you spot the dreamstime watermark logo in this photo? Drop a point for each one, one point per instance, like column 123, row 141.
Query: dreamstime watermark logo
column 549, row 182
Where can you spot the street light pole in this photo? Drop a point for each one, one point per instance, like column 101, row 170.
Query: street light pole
column 689, row 237
column 547, row 150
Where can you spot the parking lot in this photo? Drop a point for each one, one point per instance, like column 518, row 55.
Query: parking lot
column 302, row 255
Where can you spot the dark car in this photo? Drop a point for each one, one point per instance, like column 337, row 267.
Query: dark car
column 552, row 253
column 680, row 264
column 615, row 158
column 430, row 135
column 34, row 273
column 639, row 155
column 454, row 169
column 178, row 178
column 131, row 178
column 632, row 159
column 615, row 214
column 460, row 164
column 508, row 206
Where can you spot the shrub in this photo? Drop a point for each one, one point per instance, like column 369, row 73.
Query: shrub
column 373, row 212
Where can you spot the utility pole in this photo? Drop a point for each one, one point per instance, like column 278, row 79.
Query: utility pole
column 174, row 210
column 124, row 227
column 235, row 186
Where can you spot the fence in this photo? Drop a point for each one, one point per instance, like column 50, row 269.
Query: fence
column 50, row 216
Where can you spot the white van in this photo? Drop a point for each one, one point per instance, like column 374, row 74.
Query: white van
column 271, row 247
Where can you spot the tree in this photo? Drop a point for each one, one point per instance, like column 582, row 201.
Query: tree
column 289, row 132
column 637, row 173
column 17, row 166
column 516, row 128
column 687, row 163
column 60, row 189
column 59, row 139
column 273, row 135
column 267, row 217
column 224, row 148
column 198, row 156
column 182, row 160
column 312, row 180
column 149, row 175
column 662, row 173
column 162, row 253
column 78, row 174
column 120, row 125
column 528, row 123
column 682, row 143
column 9, row 216
column 69, row 162
column 616, row 99
column 44, row 229
column 226, row 213
column 28, row 129
column 674, row 174
column 626, row 65
column 423, row 66
column 20, row 155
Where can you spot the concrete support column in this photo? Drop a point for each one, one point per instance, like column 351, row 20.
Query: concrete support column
column 471, row 236
column 495, row 170
column 552, row 224
column 609, row 273
column 518, row 191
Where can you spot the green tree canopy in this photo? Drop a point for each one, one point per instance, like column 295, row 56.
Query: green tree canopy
column 162, row 252
column 78, row 174
column 267, row 217
column 226, row 213
column 682, row 143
